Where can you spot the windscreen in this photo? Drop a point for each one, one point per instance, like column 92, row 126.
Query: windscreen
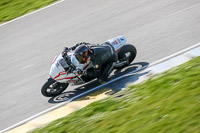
column 63, row 63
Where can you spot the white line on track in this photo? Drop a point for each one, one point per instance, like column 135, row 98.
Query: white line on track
column 175, row 54
column 69, row 100
column 32, row 12
column 93, row 89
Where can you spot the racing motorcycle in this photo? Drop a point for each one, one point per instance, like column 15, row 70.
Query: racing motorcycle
column 65, row 70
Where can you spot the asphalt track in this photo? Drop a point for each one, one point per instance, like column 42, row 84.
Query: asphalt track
column 158, row 28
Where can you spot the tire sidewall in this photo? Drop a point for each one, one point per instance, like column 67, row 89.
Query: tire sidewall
column 46, row 86
column 127, row 48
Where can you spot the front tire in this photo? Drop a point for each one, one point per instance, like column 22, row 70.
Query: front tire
column 127, row 53
column 52, row 88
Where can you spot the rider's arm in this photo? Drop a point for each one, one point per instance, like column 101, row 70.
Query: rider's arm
column 97, row 69
column 98, row 60
column 102, row 56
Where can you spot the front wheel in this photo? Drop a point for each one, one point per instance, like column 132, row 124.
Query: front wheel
column 127, row 53
column 52, row 88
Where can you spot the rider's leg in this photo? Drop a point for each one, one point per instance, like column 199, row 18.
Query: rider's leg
column 106, row 72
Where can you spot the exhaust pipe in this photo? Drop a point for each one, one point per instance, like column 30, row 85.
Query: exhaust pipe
column 120, row 64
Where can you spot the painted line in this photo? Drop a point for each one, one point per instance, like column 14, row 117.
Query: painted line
column 174, row 55
column 32, row 12
column 82, row 94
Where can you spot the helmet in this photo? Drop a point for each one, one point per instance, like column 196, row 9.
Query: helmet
column 81, row 53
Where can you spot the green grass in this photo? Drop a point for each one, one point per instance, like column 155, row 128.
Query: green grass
column 166, row 103
column 10, row 9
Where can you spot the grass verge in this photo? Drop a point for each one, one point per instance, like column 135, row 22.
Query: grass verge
column 166, row 103
column 10, row 9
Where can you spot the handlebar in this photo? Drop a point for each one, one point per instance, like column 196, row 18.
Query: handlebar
column 68, row 61
column 72, row 68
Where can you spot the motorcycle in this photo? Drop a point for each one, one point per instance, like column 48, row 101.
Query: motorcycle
column 65, row 70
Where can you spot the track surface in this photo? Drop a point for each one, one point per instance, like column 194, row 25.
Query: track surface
column 158, row 28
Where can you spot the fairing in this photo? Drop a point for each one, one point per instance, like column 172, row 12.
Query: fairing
column 117, row 42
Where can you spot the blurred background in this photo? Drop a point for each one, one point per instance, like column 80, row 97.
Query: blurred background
column 157, row 28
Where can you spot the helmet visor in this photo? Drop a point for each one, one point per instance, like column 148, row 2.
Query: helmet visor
column 81, row 59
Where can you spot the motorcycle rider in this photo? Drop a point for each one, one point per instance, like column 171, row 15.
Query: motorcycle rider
column 102, row 57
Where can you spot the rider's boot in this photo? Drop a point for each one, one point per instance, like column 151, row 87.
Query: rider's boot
column 107, row 71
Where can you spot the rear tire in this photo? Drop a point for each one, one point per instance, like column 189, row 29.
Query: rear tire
column 52, row 88
column 127, row 53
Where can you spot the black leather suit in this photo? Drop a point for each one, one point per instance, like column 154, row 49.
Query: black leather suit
column 102, row 57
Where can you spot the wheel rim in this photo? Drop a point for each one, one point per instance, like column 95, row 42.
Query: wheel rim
column 128, row 54
column 55, row 88
column 126, row 57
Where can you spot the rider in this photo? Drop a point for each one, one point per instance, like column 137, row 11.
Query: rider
column 101, row 56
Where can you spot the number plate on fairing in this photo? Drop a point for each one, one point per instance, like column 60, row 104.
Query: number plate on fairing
column 117, row 42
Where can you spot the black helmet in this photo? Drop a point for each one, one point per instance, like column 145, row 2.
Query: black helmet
column 81, row 53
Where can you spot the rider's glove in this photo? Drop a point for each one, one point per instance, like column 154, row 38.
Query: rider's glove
column 66, row 49
column 64, row 53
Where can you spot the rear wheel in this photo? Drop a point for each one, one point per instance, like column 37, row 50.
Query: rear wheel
column 127, row 53
column 52, row 88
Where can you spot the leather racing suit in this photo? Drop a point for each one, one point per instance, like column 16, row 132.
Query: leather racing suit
column 102, row 58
